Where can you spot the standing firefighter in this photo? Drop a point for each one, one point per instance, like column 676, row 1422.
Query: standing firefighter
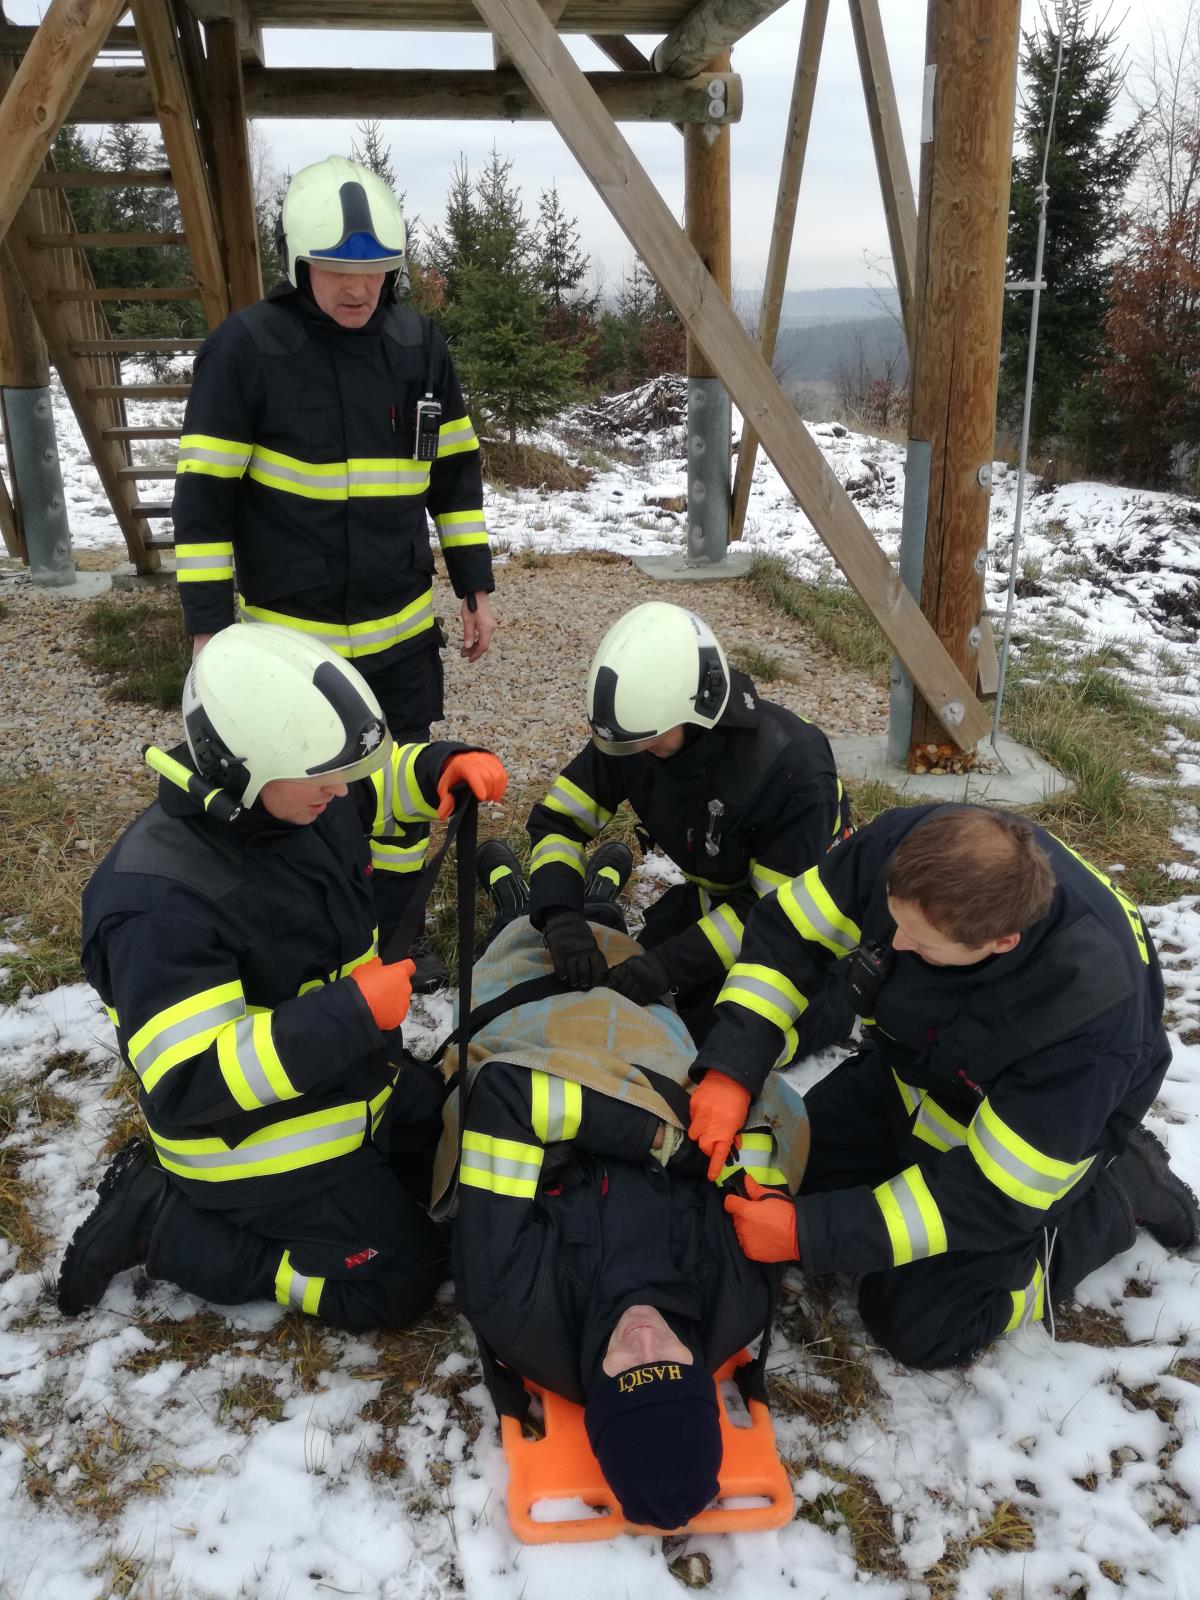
column 738, row 792
column 984, row 1151
column 324, row 426
column 230, row 933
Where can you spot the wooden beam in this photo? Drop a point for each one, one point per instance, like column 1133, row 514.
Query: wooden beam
column 238, row 12
column 43, row 89
column 706, row 31
column 24, row 363
column 791, row 170
column 86, row 178
column 231, row 149
column 553, row 10
column 10, row 532
column 177, row 119
column 622, row 52
column 895, row 179
column 106, row 241
column 123, row 94
column 16, row 37
column 965, row 174
column 606, row 157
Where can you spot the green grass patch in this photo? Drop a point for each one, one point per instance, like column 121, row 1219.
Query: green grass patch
column 141, row 646
column 760, row 664
column 830, row 611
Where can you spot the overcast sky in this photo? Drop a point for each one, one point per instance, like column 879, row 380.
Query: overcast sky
column 840, row 215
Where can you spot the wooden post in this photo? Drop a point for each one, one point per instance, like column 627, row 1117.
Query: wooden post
column 546, row 65
column 177, row 119
column 44, row 88
column 24, row 364
column 708, row 29
column 812, row 37
column 231, row 149
column 895, row 181
column 966, row 165
column 706, row 209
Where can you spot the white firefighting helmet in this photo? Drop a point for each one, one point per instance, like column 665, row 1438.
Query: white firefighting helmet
column 340, row 216
column 262, row 702
column 657, row 666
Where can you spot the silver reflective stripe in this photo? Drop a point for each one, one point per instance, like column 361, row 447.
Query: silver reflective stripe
column 297, row 1288
column 389, row 816
column 949, row 1134
column 190, row 1027
column 252, row 1067
column 397, row 857
column 914, row 1223
column 755, row 1158
column 449, row 530
column 200, row 563
column 268, row 1149
column 394, row 630
column 765, row 991
column 313, row 480
column 388, row 475
column 502, row 1166
column 584, row 815
column 1020, row 1171
column 819, row 920
column 219, row 458
column 721, row 924
column 556, row 1106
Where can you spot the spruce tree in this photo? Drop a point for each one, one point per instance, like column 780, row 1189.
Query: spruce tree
column 373, row 153
column 1090, row 168
column 564, row 266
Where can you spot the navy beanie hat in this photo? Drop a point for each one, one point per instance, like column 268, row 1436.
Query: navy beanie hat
column 656, row 1432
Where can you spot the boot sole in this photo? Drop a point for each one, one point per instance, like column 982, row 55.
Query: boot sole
column 136, row 1156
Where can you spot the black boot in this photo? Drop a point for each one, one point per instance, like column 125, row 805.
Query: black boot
column 608, row 872
column 499, row 873
column 431, row 971
column 117, row 1233
column 1160, row 1200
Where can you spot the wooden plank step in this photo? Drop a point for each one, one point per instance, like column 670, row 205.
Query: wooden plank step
column 134, row 347
column 152, row 509
column 182, row 292
column 114, row 241
column 149, row 432
column 146, row 472
column 160, row 544
column 139, row 391
column 130, row 178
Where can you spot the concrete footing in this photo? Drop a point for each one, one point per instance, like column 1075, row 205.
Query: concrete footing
column 125, row 577
column 1009, row 775
column 682, row 569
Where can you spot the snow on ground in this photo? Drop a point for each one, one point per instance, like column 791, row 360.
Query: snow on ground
column 1048, row 1468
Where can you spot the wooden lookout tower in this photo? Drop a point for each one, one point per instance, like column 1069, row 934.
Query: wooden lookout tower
column 197, row 69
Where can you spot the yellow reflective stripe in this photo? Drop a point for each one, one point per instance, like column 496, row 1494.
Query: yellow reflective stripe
column 280, row 1147
column 362, row 477
column 458, row 528
column 412, row 805
column 456, row 436
column 764, row 991
column 204, row 563
column 111, row 1013
column 556, row 847
column 810, row 909
column 250, row 1063
column 387, row 857
column 502, row 1166
column 212, row 457
column 378, row 1105
column 293, row 1288
column 709, row 883
column 183, row 1030
column 765, row 880
column 913, row 1221
column 1132, row 914
column 556, row 1107
column 937, row 1127
column 837, row 821
column 911, row 1097
column 1017, row 1168
column 1029, row 1304
column 332, row 977
column 755, row 1153
column 356, row 638
column 571, row 801
column 724, row 931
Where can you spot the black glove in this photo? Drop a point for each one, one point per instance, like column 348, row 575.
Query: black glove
column 640, row 979
column 578, row 959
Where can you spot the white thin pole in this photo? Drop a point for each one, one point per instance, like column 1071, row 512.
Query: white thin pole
column 1023, row 458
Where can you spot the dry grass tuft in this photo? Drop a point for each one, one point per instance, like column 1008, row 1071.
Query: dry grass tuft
column 300, row 1343
column 1076, row 1324
column 833, row 1356
column 193, row 1342
column 1007, row 1530
column 100, row 1474
column 140, row 645
column 17, row 1225
column 249, row 1399
column 527, row 466
column 406, row 1364
column 829, row 610
column 855, row 1505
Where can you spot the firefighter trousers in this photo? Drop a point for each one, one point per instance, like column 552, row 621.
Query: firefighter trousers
column 942, row 1311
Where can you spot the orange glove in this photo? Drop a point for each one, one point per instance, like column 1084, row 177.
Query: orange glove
column 482, row 773
column 765, row 1224
column 386, row 989
column 719, row 1107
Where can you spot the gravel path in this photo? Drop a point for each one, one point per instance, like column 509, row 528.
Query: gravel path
column 525, row 699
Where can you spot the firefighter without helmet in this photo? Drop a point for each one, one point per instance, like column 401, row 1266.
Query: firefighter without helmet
column 262, row 702
column 658, row 666
column 340, row 216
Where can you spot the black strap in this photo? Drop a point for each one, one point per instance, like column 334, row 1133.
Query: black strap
column 543, row 988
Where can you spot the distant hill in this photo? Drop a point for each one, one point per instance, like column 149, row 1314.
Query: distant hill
column 808, row 351
column 805, row 307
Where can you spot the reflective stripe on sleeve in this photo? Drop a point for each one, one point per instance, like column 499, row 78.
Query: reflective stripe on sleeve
column 358, row 638
column 183, row 1030
column 502, row 1166
column 588, row 815
column 456, row 436
column 724, row 931
column 1016, row 1167
column 764, row 991
column 250, row 1063
column 556, row 1106
column 212, row 457
column 765, row 880
column 810, row 909
column 556, row 847
column 292, row 1288
column 204, row 563
column 1029, row 1304
column 757, row 1155
column 281, row 1147
column 387, row 857
column 911, row 1216
column 457, row 529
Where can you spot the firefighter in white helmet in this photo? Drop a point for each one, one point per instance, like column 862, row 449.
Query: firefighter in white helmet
column 324, row 427
column 230, row 933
